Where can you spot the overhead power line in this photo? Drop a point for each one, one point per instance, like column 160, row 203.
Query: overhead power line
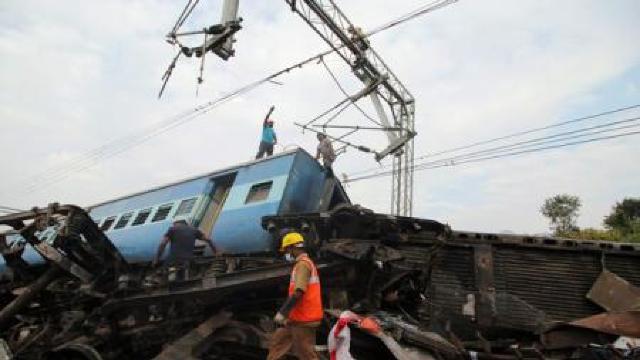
column 509, row 136
column 568, row 135
column 341, row 88
column 433, row 165
column 113, row 148
column 9, row 209
column 525, row 132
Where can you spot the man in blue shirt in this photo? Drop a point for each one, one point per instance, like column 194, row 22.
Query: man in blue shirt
column 268, row 137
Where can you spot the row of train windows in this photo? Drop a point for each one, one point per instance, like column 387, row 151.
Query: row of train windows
column 184, row 208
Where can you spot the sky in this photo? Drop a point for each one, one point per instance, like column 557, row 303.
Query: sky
column 77, row 75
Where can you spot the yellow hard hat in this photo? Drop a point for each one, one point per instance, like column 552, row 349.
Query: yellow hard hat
column 292, row 238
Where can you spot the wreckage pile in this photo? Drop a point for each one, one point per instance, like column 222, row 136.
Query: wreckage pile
column 435, row 293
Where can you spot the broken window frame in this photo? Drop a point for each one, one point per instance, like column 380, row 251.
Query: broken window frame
column 142, row 216
column 186, row 207
column 259, row 192
column 160, row 214
column 123, row 221
column 108, row 222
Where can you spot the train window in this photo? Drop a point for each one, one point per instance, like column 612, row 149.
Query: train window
column 259, row 192
column 142, row 217
column 107, row 223
column 162, row 213
column 123, row 221
column 185, row 207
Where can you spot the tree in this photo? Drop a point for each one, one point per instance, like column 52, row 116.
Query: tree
column 624, row 217
column 562, row 211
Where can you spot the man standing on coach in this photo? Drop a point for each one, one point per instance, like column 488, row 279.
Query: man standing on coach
column 325, row 150
column 268, row 139
column 302, row 312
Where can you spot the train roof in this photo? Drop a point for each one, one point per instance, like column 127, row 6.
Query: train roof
column 207, row 174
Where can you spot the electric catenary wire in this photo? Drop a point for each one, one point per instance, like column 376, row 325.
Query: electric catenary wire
column 436, row 165
column 113, row 148
column 517, row 146
column 512, row 135
column 341, row 88
column 9, row 209
column 568, row 135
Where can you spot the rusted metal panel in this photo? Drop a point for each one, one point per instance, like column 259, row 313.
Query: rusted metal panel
column 184, row 347
column 212, row 291
column 398, row 351
column 27, row 295
column 486, row 311
column 614, row 293
column 625, row 323
column 553, row 281
column 564, row 337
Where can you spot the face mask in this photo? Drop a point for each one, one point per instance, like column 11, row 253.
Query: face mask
column 288, row 257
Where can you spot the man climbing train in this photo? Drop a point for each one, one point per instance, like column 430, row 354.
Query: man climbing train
column 302, row 312
column 325, row 150
column 268, row 139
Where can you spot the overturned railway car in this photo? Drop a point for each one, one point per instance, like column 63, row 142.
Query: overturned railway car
column 227, row 205
column 77, row 283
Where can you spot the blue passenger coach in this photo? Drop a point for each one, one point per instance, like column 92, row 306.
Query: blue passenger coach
column 227, row 204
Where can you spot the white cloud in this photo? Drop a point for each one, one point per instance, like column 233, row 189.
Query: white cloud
column 77, row 74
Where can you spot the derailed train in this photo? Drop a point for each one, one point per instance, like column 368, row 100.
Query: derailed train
column 77, row 282
column 226, row 204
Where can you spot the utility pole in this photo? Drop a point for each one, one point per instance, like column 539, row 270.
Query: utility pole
column 389, row 97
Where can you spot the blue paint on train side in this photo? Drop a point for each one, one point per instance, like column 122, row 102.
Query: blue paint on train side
column 238, row 228
column 138, row 243
column 285, row 183
column 305, row 185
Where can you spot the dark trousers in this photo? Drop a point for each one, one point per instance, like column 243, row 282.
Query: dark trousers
column 180, row 269
column 265, row 147
column 328, row 167
column 301, row 340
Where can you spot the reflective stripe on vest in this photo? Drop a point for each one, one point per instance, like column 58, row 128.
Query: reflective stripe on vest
column 309, row 307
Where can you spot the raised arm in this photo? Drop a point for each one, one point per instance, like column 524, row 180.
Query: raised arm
column 266, row 118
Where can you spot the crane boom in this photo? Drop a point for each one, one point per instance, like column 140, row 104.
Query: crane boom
column 332, row 25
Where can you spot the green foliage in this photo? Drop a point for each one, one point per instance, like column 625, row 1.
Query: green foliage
column 624, row 217
column 562, row 211
column 633, row 235
column 623, row 224
column 592, row 234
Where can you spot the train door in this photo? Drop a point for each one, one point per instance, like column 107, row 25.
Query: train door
column 220, row 190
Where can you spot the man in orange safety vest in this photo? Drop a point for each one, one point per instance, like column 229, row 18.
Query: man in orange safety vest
column 302, row 312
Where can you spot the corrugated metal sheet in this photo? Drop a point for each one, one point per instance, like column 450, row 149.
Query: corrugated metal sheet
column 553, row 281
column 535, row 281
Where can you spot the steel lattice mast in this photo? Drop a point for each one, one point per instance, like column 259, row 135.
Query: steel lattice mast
column 330, row 23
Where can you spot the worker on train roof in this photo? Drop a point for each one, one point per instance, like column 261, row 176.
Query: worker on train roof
column 268, row 139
